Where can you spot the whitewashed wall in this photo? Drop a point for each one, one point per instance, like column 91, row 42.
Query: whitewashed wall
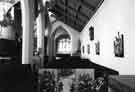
column 112, row 17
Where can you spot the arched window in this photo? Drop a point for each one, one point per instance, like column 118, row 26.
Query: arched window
column 62, row 41
column 64, row 45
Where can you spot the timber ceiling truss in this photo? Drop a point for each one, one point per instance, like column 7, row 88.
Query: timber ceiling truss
column 75, row 13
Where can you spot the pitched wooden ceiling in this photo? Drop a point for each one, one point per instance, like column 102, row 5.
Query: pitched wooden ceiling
column 9, row 1
column 75, row 13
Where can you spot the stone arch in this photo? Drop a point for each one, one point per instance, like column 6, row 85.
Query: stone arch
column 65, row 30
column 56, row 34
column 60, row 30
column 74, row 36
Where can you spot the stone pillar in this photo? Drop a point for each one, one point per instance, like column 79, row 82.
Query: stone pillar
column 51, row 47
column 40, row 32
column 28, row 26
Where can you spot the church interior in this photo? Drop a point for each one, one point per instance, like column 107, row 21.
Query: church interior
column 67, row 45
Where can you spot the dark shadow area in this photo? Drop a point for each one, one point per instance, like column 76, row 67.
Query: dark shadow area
column 17, row 78
column 77, row 62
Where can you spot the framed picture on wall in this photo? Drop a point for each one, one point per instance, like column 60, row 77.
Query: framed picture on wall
column 88, row 48
column 97, row 48
column 119, row 45
column 83, row 49
column 91, row 33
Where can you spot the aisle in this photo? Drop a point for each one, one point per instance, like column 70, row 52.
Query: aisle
column 67, row 81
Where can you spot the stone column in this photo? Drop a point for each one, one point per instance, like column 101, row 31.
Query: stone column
column 40, row 31
column 28, row 26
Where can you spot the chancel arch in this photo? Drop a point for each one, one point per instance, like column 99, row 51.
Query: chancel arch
column 60, row 39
